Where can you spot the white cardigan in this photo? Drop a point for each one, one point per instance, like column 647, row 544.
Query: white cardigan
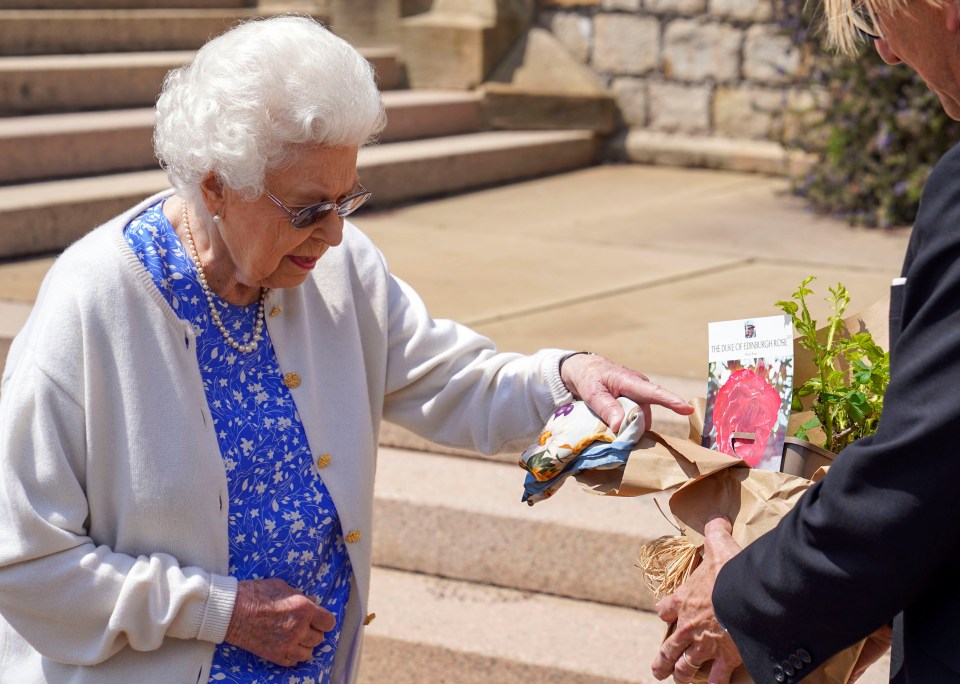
column 113, row 506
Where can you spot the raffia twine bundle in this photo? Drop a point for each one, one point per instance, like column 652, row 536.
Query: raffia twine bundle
column 667, row 562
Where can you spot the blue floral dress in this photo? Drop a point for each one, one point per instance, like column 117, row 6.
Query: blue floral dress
column 282, row 521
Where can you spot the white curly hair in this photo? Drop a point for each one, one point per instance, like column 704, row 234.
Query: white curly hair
column 256, row 96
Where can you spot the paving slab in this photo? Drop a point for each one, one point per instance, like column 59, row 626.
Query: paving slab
column 663, row 329
column 463, row 518
column 476, row 277
column 436, row 630
column 570, row 206
column 603, row 228
column 691, row 209
column 763, row 221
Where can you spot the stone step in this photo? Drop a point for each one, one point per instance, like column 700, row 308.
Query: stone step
column 42, row 32
column 121, row 4
column 37, row 218
column 65, row 83
column 416, row 114
column 76, row 144
column 86, row 143
column 424, row 168
column 429, row 629
column 462, row 518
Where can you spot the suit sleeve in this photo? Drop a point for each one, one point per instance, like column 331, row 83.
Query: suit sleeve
column 879, row 531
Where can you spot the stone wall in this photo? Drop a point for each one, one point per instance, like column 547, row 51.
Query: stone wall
column 701, row 67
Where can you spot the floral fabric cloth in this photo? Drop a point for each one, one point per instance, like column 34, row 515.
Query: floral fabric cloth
column 573, row 440
column 282, row 521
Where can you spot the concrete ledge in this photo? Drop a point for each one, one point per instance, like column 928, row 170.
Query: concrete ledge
column 390, row 71
column 121, row 4
column 506, row 107
column 34, row 148
column 413, row 170
column 650, row 147
column 46, row 217
column 46, row 84
column 64, row 145
column 38, row 32
column 61, row 83
column 433, row 630
column 415, row 114
column 462, row 518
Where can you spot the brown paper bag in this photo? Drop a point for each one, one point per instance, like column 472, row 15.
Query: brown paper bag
column 709, row 483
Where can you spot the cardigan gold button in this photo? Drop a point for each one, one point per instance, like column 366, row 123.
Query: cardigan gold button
column 276, row 311
column 323, row 461
column 353, row 537
column 370, row 618
column 291, row 380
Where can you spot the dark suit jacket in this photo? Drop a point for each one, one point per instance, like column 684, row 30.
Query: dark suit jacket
column 880, row 534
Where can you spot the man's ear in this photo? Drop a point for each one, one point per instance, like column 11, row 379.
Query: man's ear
column 211, row 189
column 953, row 16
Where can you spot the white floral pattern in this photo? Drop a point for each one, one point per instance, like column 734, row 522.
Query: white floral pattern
column 282, row 521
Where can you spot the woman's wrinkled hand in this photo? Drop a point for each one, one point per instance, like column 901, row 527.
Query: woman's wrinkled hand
column 598, row 381
column 276, row 622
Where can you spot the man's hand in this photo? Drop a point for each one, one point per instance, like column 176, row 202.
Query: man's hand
column 273, row 620
column 598, row 381
column 698, row 637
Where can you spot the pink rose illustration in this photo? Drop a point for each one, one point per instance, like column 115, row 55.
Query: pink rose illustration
column 745, row 403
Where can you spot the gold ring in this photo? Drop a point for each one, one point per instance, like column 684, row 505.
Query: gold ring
column 689, row 662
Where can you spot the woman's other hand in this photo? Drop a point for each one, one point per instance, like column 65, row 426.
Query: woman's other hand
column 273, row 620
column 598, row 381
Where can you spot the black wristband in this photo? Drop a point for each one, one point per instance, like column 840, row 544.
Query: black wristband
column 567, row 356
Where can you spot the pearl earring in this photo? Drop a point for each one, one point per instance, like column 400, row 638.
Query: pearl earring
column 216, row 218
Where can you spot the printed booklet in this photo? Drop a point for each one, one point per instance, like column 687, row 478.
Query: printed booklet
column 749, row 389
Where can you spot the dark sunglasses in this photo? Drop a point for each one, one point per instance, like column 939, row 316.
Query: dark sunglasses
column 309, row 215
column 864, row 22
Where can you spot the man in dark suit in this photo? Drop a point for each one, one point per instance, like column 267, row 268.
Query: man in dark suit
column 878, row 540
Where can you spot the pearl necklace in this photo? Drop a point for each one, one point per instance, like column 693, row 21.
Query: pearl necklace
column 214, row 314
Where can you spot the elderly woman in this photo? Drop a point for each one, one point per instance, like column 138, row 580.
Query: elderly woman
column 875, row 542
column 189, row 419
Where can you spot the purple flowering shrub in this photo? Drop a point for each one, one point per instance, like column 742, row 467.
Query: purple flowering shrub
column 876, row 141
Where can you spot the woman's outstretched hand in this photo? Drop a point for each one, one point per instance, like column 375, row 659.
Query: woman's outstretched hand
column 273, row 620
column 598, row 381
